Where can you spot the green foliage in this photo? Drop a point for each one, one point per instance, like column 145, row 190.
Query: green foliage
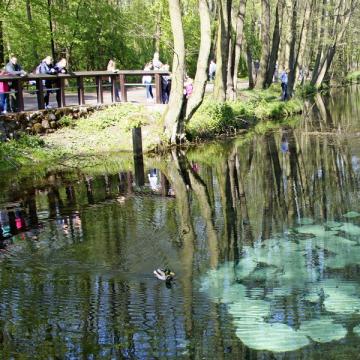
column 217, row 118
column 66, row 121
column 89, row 33
column 306, row 90
column 211, row 118
column 353, row 77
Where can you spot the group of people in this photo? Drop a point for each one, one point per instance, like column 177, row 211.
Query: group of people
column 8, row 95
column 156, row 64
column 6, row 88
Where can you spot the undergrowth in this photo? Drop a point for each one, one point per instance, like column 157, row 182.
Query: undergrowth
column 214, row 118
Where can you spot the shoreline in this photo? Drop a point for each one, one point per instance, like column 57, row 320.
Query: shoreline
column 108, row 131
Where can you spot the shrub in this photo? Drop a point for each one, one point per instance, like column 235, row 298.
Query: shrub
column 211, row 118
column 66, row 121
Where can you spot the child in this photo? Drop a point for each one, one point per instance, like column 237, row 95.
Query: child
column 146, row 79
column 188, row 87
column 4, row 90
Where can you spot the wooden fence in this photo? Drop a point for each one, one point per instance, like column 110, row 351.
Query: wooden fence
column 115, row 79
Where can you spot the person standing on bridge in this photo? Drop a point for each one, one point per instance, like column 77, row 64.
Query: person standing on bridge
column 14, row 69
column 46, row 68
column 156, row 63
column 4, row 93
column 146, row 80
column 112, row 67
column 60, row 68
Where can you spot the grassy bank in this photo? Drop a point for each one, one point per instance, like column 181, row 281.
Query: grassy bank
column 353, row 77
column 254, row 106
column 109, row 130
column 78, row 141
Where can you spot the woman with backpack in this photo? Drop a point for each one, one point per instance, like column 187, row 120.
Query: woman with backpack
column 46, row 67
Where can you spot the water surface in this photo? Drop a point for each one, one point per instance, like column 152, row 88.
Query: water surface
column 262, row 232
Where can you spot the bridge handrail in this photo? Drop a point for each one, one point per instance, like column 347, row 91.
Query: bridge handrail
column 75, row 74
column 115, row 77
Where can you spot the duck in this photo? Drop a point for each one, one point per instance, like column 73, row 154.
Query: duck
column 164, row 274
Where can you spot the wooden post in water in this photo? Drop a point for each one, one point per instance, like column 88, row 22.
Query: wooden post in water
column 40, row 94
column 138, row 157
column 81, row 92
column 158, row 88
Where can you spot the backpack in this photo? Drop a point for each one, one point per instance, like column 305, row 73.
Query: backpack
column 38, row 69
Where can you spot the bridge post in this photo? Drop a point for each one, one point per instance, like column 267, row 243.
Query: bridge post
column 113, row 79
column 19, row 95
column 61, row 84
column 158, row 88
column 40, row 94
column 81, row 93
column 99, row 90
column 123, row 88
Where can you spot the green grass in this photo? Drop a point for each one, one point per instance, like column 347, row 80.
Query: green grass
column 213, row 118
column 353, row 76
column 80, row 141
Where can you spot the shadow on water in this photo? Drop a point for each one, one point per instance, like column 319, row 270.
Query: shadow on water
column 78, row 250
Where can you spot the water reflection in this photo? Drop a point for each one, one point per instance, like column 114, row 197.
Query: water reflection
column 77, row 255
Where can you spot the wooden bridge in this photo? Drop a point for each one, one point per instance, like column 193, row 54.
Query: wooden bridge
column 83, row 82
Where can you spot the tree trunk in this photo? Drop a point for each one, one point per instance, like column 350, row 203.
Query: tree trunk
column 321, row 43
column 229, row 72
column 174, row 128
column 342, row 20
column 222, row 50
column 249, row 66
column 2, row 50
column 197, row 96
column 31, row 26
column 52, row 43
column 292, row 55
column 275, row 46
column 265, row 39
column 304, row 39
column 240, row 20
column 157, row 34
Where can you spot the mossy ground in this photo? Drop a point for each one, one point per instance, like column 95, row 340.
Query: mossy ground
column 253, row 106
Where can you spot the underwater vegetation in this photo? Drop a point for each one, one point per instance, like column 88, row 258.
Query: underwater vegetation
column 307, row 263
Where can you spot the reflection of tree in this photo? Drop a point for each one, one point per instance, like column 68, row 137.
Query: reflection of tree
column 200, row 190
column 177, row 175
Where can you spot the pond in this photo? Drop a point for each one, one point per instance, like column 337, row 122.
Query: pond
column 262, row 232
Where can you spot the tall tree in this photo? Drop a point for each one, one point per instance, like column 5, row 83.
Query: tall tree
column 222, row 49
column 174, row 124
column 52, row 41
column 275, row 44
column 266, row 44
column 235, row 58
column 197, row 96
column 342, row 17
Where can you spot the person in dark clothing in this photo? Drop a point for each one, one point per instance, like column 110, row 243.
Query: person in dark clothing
column 46, row 67
column 284, row 85
column 165, row 85
column 12, row 68
column 60, row 68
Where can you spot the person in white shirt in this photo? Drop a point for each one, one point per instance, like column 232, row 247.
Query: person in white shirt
column 212, row 70
column 146, row 80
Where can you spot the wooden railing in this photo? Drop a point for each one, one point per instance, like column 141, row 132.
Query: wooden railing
column 116, row 79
